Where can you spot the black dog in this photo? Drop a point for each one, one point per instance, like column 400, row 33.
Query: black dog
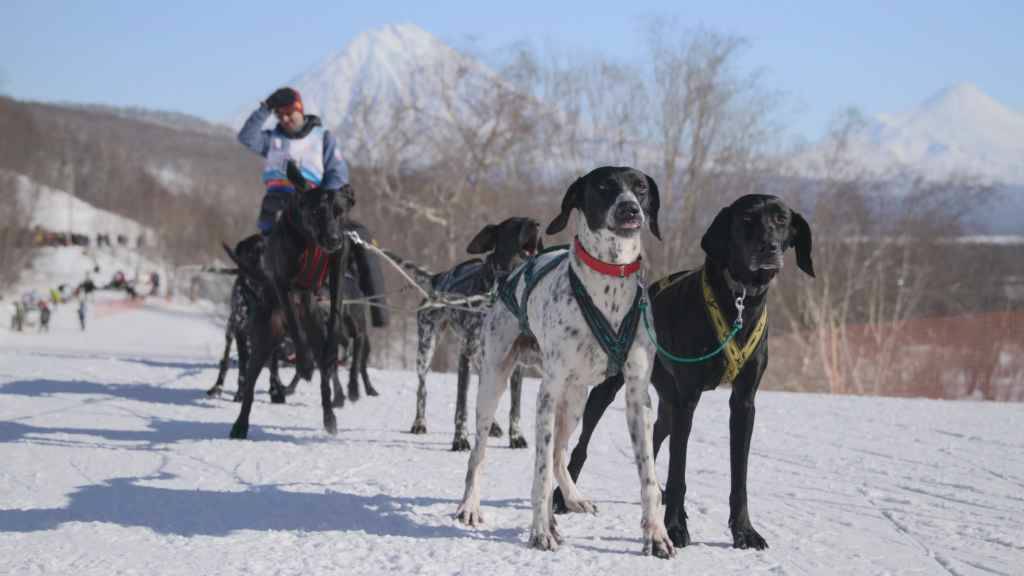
column 306, row 245
column 354, row 331
column 506, row 244
column 744, row 247
column 244, row 293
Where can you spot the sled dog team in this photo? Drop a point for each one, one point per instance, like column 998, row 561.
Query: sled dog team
column 584, row 315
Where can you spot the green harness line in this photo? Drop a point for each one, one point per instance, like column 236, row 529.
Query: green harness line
column 737, row 325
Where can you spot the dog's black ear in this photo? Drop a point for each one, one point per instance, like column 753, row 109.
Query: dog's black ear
column 295, row 177
column 653, row 205
column 716, row 240
column 573, row 197
column 800, row 238
column 484, row 241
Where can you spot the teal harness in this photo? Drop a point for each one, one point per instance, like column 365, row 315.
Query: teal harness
column 616, row 344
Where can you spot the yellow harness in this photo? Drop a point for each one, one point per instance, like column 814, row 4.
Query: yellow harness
column 735, row 357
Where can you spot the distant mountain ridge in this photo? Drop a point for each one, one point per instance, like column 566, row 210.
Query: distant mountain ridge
column 958, row 130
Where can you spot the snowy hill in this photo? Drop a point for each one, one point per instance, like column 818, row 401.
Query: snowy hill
column 115, row 461
column 960, row 129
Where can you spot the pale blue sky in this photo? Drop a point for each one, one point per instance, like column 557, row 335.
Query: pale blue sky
column 213, row 58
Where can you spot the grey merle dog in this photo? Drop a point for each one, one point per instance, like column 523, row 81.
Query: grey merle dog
column 306, row 246
column 245, row 292
column 574, row 315
column 505, row 244
column 693, row 313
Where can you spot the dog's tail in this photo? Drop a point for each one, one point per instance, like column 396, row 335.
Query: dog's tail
column 423, row 277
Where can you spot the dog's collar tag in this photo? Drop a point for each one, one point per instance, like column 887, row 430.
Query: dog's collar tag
column 602, row 267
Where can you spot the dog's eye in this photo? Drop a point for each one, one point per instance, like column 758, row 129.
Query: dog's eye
column 780, row 218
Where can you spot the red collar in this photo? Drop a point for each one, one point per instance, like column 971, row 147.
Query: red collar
column 616, row 270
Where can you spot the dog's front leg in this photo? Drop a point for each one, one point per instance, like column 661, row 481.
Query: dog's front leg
column 489, row 392
column 640, row 422
column 303, row 363
column 543, row 533
column 741, row 428
column 223, row 368
column 460, row 442
column 567, row 417
column 329, row 351
column 515, row 436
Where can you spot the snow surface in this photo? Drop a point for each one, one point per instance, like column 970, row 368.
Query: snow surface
column 59, row 211
column 115, row 462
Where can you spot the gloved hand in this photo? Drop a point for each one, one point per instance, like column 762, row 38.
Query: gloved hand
column 280, row 98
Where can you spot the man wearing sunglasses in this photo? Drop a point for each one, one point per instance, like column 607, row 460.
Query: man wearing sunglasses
column 298, row 137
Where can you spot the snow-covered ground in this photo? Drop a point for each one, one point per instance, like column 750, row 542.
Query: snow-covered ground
column 115, row 462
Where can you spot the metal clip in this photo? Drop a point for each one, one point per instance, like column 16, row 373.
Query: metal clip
column 354, row 237
column 739, row 307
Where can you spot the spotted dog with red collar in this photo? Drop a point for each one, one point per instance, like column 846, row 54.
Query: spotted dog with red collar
column 573, row 313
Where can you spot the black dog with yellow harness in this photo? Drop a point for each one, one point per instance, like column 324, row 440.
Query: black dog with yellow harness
column 710, row 325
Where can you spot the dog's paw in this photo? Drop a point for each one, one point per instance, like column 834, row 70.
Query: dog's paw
column 582, row 505
column 469, row 514
column 353, row 395
column 496, row 431
column 544, row 540
column 460, row 444
column 558, row 502
column 338, row 401
column 239, row 431
column 748, row 538
column 330, row 423
column 214, row 392
column 418, row 427
column 658, row 544
column 277, row 397
column 680, row 535
column 371, row 391
column 517, row 441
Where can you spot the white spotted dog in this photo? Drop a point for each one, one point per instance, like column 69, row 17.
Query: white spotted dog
column 574, row 314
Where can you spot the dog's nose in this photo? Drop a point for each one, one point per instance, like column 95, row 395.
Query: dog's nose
column 628, row 210
column 771, row 248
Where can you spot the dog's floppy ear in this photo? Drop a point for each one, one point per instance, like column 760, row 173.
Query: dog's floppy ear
column 295, row 177
column 800, row 238
column 654, row 204
column 484, row 241
column 716, row 240
column 571, row 200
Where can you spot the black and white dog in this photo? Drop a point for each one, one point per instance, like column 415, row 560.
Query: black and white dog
column 575, row 314
column 506, row 245
column 693, row 311
column 245, row 293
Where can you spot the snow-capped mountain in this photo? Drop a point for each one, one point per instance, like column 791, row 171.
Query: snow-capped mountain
column 358, row 88
column 958, row 130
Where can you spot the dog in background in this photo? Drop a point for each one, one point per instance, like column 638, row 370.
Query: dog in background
column 574, row 314
column 744, row 249
column 506, row 245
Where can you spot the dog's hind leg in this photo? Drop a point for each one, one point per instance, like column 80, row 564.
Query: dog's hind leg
column 244, row 346
column 601, row 396
column 277, row 391
column 364, row 360
column 356, row 349
column 223, row 369
column 428, row 330
column 263, row 343
column 515, row 435
column 460, row 443
column 338, row 400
